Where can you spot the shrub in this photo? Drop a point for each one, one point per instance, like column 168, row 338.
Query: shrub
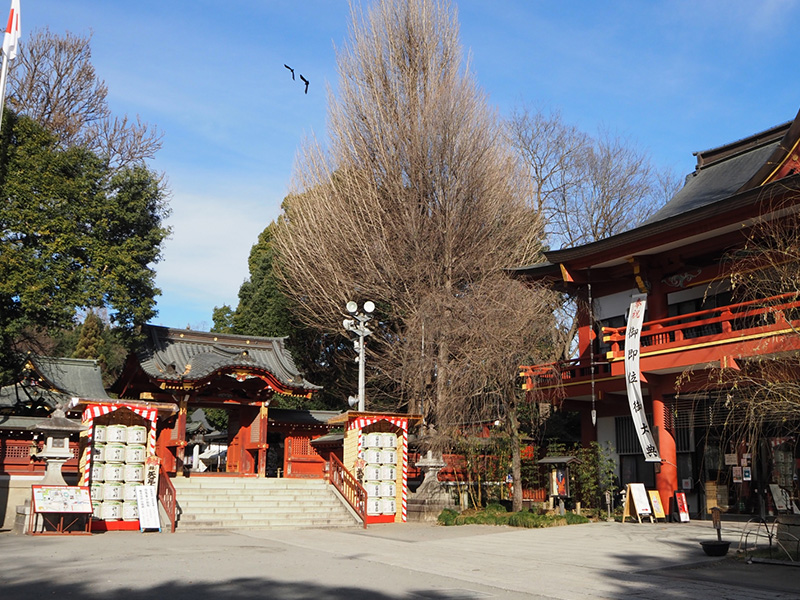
column 447, row 517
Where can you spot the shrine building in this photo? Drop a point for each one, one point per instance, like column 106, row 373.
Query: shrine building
column 694, row 328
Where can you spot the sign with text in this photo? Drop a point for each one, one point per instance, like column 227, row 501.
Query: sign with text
column 655, row 502
column 61, row 499
column 633, row 383
column 682, row 507
column 148, row 507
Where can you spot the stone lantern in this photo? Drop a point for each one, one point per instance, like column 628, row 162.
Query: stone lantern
column 56, row 429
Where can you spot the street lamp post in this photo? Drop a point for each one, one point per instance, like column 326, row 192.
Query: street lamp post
column 358, row 325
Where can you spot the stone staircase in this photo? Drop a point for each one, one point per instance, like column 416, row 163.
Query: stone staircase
column 209, row 503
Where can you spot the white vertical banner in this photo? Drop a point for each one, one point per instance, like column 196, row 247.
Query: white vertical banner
column 633, row 382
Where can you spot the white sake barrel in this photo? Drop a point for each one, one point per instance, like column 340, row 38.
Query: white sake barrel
column 388, row 457
column 129, row 490
column 372, row 440
column 96, row 492
column 135, row 453
column 388, row 489
column 388, row 506
column 372, row 456
column 373, row 488
column 388, row 440
column 114, row 472
column 372, row 472
column 134, row 472
column 130, row 511
column 115, row 452
column 97, row 509
column 112, row 490
column 98, row 453
column 374, row 506
column 137, row 434
column 111, row 511
column 98, row 472
column 100, row 434
column 388, row 474
column 117, row 434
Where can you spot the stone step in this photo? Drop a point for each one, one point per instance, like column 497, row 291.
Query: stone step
column 229, row 483
column 212, row 525
column 255, row 509
column 226, row 515
column 234, row 503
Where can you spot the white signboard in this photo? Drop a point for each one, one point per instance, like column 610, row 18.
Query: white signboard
column 640, row 500
column 633, row 378
column 148, row 507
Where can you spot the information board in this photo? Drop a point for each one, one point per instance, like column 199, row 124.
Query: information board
column 636, row 503
column 148, row 507
column 682, row 507
column 655, row 502
column 779, row 497
column 61, row 499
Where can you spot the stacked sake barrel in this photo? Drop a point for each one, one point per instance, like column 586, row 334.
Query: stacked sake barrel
column 118, row 455
column 380, row 474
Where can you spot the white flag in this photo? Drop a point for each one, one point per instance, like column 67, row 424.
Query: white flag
column 633, row 378
column 11, row 37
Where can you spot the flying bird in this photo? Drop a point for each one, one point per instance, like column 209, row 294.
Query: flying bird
column 304, row 80
column 291, row 69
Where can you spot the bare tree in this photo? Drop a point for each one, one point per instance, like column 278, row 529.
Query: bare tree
column 501, row 325
column 418, row 204
column 762, row 395
column 54, row 82
column 589, row 188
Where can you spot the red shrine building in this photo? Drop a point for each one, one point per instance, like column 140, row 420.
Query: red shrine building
column 694, row 328
column 186, row 370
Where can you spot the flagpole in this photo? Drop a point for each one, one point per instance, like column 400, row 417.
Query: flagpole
column 3, row 76
column 10, row 40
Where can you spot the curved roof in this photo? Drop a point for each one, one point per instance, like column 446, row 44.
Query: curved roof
column 74, row 376
column 186, row 355
column 727, row 179
column 49, row 381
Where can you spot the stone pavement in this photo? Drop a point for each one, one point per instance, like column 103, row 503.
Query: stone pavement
column 386, row 562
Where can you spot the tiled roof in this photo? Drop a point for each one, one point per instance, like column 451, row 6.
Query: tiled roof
column 74, row 376
column 185, row 355
column 62, row 379
column 719, row 180
column 724, row 182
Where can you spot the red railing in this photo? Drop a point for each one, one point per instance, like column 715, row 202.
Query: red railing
column 167, row 497
column 17, row 456
column 349, row 487
column 765, row 315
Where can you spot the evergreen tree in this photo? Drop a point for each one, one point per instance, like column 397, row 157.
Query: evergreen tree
column 90, row 341
column 74, row 235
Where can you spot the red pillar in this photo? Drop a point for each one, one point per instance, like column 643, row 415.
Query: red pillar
column 263, row 418
column 180, row 435
column 667, row 471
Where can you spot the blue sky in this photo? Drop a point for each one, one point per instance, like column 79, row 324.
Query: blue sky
column 674, row 76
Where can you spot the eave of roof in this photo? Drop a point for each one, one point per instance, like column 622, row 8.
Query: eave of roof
column 70, row 376
column 727, row 179
column 173, row 355
column 634, row 241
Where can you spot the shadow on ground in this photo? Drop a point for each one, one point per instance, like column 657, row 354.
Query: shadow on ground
column 235, row 589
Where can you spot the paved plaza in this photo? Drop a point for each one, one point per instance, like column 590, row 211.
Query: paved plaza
column 385, row 562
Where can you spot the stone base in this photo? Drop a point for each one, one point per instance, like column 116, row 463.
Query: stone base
column 429, row 501
column 22, row 518
column 788, row 529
